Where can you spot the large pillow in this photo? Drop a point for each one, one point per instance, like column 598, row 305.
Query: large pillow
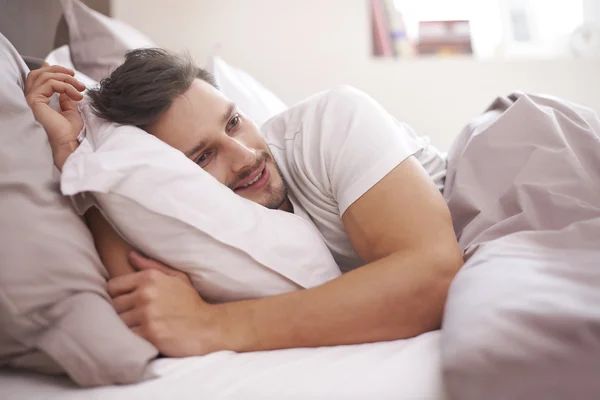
column 98, row 43
column 522, row 318
column 166, row 206
column 254, row 99
column 55, row 314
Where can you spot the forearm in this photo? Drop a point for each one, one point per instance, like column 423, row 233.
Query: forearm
column 399, row 296
column 112, row 249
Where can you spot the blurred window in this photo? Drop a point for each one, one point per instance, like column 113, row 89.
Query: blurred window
column 497, row 28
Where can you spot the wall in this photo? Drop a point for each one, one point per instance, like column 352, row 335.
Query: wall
column 297, row 47
column 30, row 25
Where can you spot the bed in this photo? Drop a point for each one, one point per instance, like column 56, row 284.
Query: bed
column 402, row 369
column 406, row 369
column 522, row 187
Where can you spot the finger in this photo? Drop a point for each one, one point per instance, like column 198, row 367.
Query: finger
column 60, row 77
column 142, row 263
column 124, row 302
column 67, row 103
column 124, row 284
column 141, row 332
column 132, row 318
column 32, row 75
column 53, row 68
column 52, row 86
column 35, row 74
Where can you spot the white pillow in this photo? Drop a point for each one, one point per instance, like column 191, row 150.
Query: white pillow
column 99, row 43
column 172, row 210
column 252, row 98
column 62, row 56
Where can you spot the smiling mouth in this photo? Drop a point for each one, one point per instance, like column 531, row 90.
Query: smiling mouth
column 255, row 180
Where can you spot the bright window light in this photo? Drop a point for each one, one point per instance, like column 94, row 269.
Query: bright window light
column 501, row 27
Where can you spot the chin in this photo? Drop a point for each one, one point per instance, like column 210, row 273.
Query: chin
column 274, row 194
column 271, row 199
column 272, row 203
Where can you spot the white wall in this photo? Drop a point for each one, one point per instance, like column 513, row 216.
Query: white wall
column 297, row 47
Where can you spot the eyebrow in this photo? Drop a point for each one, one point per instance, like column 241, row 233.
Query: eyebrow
column 226, row 116
column 196, row 149
column 200, row 146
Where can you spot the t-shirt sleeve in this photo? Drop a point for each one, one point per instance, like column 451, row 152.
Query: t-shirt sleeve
column 359, row 143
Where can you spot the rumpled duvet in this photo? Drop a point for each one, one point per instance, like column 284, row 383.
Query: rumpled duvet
column 522, row 319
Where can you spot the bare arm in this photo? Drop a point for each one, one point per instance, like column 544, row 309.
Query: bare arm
column 111, row 248
column 401, row 228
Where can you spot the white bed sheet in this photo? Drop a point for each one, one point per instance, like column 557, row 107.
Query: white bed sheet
column 401, row 369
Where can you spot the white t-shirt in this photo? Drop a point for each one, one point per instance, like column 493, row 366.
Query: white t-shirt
column 332, row 148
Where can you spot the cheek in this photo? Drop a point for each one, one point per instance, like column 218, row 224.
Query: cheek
column 218, row 171
column 255, row 140
column 276, row 178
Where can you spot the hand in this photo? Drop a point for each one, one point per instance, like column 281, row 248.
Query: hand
column 62, row 127
column 159, row 304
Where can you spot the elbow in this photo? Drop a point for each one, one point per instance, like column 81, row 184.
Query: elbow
column 445, row 266
column 439, row 266
column 447, row 262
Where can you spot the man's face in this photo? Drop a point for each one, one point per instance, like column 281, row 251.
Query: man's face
column 212, row 132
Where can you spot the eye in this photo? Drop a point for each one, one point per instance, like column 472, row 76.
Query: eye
column 234, row 122
column 202, row 161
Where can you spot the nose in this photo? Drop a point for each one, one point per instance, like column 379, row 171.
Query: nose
column 241, row 156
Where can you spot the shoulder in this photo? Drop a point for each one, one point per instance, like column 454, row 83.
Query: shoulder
column 342, row 98
column 345, row 93
column 335, row 104
column 332, row 113
column 338, row 98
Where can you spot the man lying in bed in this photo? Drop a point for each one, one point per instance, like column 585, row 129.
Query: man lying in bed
column 377, row 207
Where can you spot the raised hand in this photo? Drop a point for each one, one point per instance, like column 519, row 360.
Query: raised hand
column 61, row 127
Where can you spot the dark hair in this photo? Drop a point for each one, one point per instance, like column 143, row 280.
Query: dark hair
column 141, row 89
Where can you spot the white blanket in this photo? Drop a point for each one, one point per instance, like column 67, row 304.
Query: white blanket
column 401, row 369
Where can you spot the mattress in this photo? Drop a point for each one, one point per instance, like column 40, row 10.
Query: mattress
column 401, row 369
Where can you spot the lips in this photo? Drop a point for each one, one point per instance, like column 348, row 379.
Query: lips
column 252, row 179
